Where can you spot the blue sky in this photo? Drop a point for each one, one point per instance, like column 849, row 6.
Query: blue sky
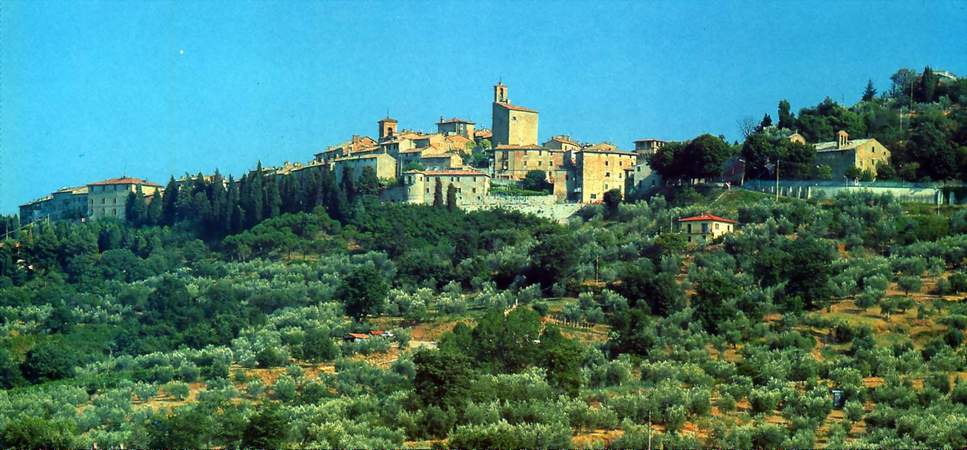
column 93, row 90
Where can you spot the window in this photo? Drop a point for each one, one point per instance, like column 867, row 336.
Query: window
column 474, row 190
column 606, row 162
column 716, row 226
column 594, row 196
column 114, row 200
column 689, row 230
column 704, row 228
column 607, row 174
column 114, row 211
column 102, row 200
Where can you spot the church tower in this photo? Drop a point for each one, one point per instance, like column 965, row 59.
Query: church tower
column 500, row 93
column 387, row 128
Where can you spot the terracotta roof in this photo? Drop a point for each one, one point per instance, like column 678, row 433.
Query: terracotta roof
column 515, row 107
column 453, row 172
column 522, row 147
column 483, row 133
column 563, row 138
column 123, row 180
column 357, row 335
column 706, row 217
column 454, row 120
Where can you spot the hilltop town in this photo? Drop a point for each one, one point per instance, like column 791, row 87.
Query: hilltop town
column 506, row 166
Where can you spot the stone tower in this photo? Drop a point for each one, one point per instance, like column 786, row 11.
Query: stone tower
column 511, row 124
column 387, row 128
column 500, row 93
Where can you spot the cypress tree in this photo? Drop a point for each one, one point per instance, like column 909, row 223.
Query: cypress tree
column 786, row 118
column 438, row 194
column 273, row 199
column 218, row 198
column 155, row 209
column 231, row 205
column 135, row 209
column 348, row 184
column 451, row 197
column 870, row 93
column 170, row 200
column 255, row 200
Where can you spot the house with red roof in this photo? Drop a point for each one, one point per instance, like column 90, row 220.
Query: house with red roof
column 705, row 227
column 108, row 198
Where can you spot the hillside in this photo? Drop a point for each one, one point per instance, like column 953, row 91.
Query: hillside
column 504, row 330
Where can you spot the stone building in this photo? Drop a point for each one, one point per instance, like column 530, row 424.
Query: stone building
column 599, row 169
column 706, row 227
column 62, row 204
column 641, row 177
column 512, row 124
column 562, row 142
column 358, row 144
column 844, row 153
column 108, row 198
column 455, row 126
column 383, row 164
column 419, row 186
column 647, row 147
column 512, row 162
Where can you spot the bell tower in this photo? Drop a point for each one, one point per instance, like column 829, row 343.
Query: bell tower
column 387, row 128
column 500, row 93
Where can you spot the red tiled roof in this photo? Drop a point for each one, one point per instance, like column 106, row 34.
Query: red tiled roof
column 521, row 147
column 707, row 217
column 515, row 107
column 124, row 180
column 452, row 172
column 358, row 335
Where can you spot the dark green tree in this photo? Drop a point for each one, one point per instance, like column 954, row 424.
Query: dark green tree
column 451, row 197
column 536, row 180
column 553, row 258
column 612, row 201
column 870, row 92
column 438, row 194
column 168, row 213
column 442, row 378
column 562, row 358
column 786, row 119
column 155, row 209
column 363, row 292
column 766, row 122
column 24, row 432
column 50, row 360
column 926, row 87
column 135, row 209
column 268, row 428
column 368, row 182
